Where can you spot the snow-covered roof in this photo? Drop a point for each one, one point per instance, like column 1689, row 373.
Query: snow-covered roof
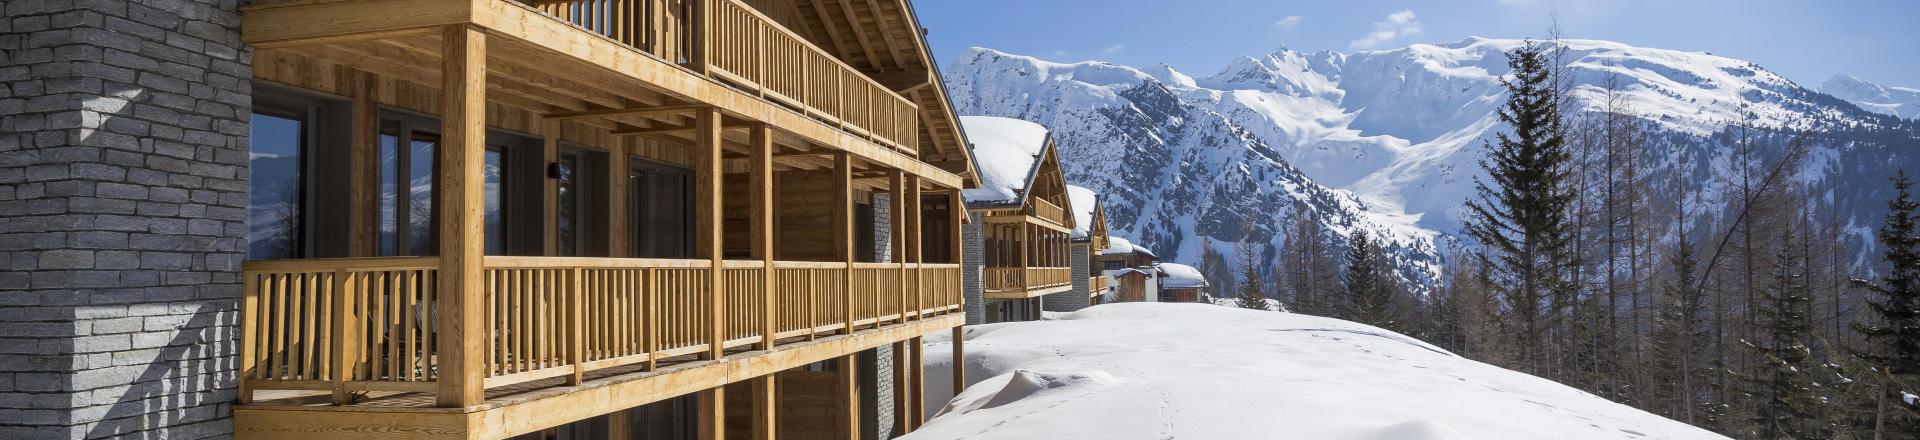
column 1121, row 246
column 1006, row 153
column 1083, row 201
column 1180, row 276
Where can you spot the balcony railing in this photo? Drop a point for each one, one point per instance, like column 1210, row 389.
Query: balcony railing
column 1048, row 211
column 366, row 324
column 1003, row 279
column 1096, row 284
column 755, row 53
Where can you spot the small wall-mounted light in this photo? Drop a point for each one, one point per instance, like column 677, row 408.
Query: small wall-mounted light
column 553, row 170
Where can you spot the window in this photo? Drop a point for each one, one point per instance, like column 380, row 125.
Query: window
column 568, row 204
column 495, row 196
column 408, row 148
column 661, row 210
column 276, row 171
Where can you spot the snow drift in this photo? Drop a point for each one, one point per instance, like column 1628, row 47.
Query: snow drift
column 1161, row 371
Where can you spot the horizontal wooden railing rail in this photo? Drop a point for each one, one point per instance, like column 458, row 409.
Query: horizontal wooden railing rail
column 754, row 52
column 1096, row 284
column 1048, row 211
column 1025, row 278
column 367, row 324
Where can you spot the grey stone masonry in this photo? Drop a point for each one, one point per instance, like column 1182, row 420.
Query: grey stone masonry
column 877, row 364
column 1076, row 298
column 123, row 190
column 973, row 261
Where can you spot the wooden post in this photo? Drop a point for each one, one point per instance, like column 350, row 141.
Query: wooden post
column 711, row 407
column 576, row 328
column 1026, row 252
column 843, row 225
column 917, row 372
column 711, row 172
column 900, row 397
column 463, row 130
column 766, row 405
column 761, row 182
column 618, row 232
column 364, row 223
column 847, row 391
column 896, row 227
column 912, row 236
column 342, row 342
column 550, row 189
column 959, row 360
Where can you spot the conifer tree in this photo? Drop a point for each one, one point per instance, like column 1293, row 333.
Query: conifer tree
column 1253, row 287
column 1787, row 405
column 1679, row 339
column 1893, row 342
column 1520, row 216
column 1367, row 285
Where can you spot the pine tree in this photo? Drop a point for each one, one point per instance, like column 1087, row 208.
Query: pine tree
column 1787, row 405
column 1521, row 216
column 1893, row 343
column 1253, row 287
column 1679, row 370
column 1367, row 285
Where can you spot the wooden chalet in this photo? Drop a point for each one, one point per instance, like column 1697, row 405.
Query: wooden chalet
column 1021, row 204
column 1089, row 236
column 487, row 219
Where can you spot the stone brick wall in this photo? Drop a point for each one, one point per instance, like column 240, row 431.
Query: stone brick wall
column 972, row 261
column 1076, row 298
column 876, row 371
column 123, row 185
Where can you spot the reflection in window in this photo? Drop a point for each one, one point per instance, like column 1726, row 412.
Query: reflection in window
column 568, row 209
column 420, row 189
column 389, row 195
column 496, row 229
column 274, row 178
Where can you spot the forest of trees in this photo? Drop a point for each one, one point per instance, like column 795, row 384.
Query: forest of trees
column 1743, row 315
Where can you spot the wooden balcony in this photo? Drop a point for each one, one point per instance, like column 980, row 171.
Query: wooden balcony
column 1096, row 285
column 1025, row 282
column 368, row 324
column 1045, row 210
column 733, row 42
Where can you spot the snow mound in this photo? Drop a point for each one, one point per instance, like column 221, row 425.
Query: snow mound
column 1418, row 430
column 1160, row 370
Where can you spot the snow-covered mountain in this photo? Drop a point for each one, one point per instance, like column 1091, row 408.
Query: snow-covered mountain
column 1389, row 141
column 1160, row 371
column 1891, row 100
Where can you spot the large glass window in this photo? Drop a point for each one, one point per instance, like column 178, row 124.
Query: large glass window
column 661, row 210
column 568, row 204
column 276, row 168
column 390, row 199
column 494, row 191
column 420, row 190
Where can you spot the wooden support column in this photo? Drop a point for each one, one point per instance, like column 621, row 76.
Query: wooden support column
column 912, row 236
column 711, row 410
column 619, row 226
column 1026, row 254
column 917, row 384
column 959, row 360
column 846, row 385
column 550, row 189
column 766, row 405
column 896, row 232
column 463, row 129
column 365, row 166
column 901, row 412
column 710, row 172
column 843, row 226
column 762, row 217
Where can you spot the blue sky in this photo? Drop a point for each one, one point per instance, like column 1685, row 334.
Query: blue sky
column 1876, row 40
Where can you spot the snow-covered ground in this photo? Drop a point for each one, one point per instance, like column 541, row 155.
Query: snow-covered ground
column 1198, row 371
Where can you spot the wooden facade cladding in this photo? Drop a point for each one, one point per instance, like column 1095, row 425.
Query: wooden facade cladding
column 782, row 141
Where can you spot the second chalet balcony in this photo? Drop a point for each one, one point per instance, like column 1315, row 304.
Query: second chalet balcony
column 368, row 330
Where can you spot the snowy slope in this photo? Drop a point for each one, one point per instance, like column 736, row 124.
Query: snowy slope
column 1891, row 100
column 1160, row 371
column 1390, row 141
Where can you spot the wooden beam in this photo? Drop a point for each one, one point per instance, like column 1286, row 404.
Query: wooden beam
column 365, row 165
column 959, row 360
column 463, row 129
column 652, row 130
column 843, row 226
column 917, row 370
column 619, row 226
column 712, row 413
column 549, row 189
column 853, row 22
column 766, row 404
column 331, row 22
column 712, row 240
column 636, row 111
column 760, row 181
column 902, row 412
column 847, row 395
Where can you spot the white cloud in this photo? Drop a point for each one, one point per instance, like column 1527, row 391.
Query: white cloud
column 1396, row 25
column 1287, row 24
column 1110, row 50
